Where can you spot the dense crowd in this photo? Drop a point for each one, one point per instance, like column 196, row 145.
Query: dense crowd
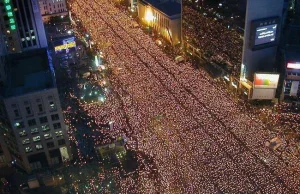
column 218, row 43
column 200, row 140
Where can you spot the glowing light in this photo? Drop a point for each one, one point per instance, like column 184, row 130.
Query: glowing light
column 227, row 78
column 149, row 16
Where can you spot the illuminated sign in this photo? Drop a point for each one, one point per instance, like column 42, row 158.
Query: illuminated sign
column 8, row 9
column 293, row 65
column 266, row 80
column 65, row 45
column 264, row 33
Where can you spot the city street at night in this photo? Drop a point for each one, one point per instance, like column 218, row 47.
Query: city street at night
column 198, row 137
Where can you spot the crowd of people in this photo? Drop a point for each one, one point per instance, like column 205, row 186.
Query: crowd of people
column 217, row 42
column 200, row 140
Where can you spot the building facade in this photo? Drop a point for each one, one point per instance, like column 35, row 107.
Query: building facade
column 291, row 83
column 50, row 8
column 32, row 112
column 22, row 28
column 260, row 51
column 164, row 17
column 39, row 129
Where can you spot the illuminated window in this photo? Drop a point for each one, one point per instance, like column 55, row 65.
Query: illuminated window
column 52, row 105
column 36, row 138
column 19, row 125
column 9, row 14
column 28, row 149
column 34, row 130
column 45, row 127
column 22, row 133
column 39, row 147
column 13, row 27
column 11, row 20
column 8, row 7
column 48, row 136
column 58, row 133
column 26, row 141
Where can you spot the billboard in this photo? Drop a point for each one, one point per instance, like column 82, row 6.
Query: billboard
column 65, row 45
column 264, row 33
column 266, row 80
column 293, row 65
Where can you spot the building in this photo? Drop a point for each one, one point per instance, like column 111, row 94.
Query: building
column 291, row 86
column 50, row 8
column 162, row 16
column 22, row 25
column 22, row 28
column 32, row 112
column 261, row 39
column 259, row 52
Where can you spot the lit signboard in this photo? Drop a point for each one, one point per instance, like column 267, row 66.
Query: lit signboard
column 266, row 80
column 65, row 45
column 293, row 66
column 264, row 33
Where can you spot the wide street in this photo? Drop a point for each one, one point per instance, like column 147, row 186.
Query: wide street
column 193, row 136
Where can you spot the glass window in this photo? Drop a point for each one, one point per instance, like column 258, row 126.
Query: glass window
column 28, row 149
column 45, row 127
column 19, row 125
column 16, row 112
column 50, row 145
column 52, row 105
column 22, row 133
column 40, row 107
column 38, row 147
column 36, row 138
column 43, row 119
column 34, row 130
column 48, row 136
column 58, row 133
column 31, row 122
column 61, row 142
column 56, row 125
column 28, row 110
column 26, row 141
column 55, row 117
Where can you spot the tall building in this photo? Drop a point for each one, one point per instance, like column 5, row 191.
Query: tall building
column 22, row 28
column 22, row 25
column 36, row 135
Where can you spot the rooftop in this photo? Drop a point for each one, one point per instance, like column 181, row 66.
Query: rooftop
column 168, row 7
column 28, row 72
